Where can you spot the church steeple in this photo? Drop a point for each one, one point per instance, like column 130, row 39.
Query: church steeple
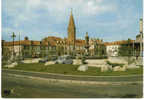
column 71, row 21
column 71, row 30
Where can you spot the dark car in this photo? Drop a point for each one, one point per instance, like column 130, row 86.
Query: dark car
column 53, row 58
column 43, row 60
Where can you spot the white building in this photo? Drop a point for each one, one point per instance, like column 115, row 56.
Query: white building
column 112, row 50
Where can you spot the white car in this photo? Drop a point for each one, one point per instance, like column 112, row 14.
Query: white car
column 64, row 60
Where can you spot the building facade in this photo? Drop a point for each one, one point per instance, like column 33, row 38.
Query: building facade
column 139, row 38
column 52, row 45
column 57, row 46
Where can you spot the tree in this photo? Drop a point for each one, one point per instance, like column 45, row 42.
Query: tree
column 126, row 50
column 6, row 54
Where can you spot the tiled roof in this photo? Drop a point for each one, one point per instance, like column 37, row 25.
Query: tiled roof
column 118, row 42
column 91, row 41
column 36, row 43
column 22, row 42
column 53, row 41
column 80, row 42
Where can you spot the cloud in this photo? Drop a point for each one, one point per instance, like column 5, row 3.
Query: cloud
column 24, row 9
column 97, row 7
column 33, row 17
column 27, row 11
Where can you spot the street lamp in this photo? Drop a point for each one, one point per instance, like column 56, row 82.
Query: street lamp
column 87, row 43
column 58, row 42
column 48, row 48
column 13, row 37
column 19, row 47
column 64, row 47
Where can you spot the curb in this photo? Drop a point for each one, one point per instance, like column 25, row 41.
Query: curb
column 74, row 81
column 71, row 75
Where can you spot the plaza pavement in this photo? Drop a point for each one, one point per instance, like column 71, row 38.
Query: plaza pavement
column 37, row 85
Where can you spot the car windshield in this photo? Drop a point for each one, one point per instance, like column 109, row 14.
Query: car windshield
column 60, row 58
column 64, row 57
column 68, row 57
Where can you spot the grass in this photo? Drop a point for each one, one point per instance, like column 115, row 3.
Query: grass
column 72, row 70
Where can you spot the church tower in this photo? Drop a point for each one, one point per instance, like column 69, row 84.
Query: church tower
column 71, row 31
column 141, row 25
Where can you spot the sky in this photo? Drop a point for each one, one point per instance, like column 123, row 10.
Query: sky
column 110, row 20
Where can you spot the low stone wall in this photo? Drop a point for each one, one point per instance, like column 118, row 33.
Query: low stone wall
column 77, row 62
column 140, row 61
column 124, row 60
column 34, row 60
column 118, row 60
column 96, row 62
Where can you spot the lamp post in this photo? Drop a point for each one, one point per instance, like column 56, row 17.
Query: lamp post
column 48, row 48
column 19, row 47
column 87, row 43
column 64, row 47
column 133, row 48
column 58, row 48
column 13, row 37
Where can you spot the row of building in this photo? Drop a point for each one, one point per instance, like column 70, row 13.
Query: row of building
column 57, row 46
column 52, row 45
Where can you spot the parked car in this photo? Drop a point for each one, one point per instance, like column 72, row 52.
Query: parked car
column 64, row 60
column 53, row 58
column 43, row 60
